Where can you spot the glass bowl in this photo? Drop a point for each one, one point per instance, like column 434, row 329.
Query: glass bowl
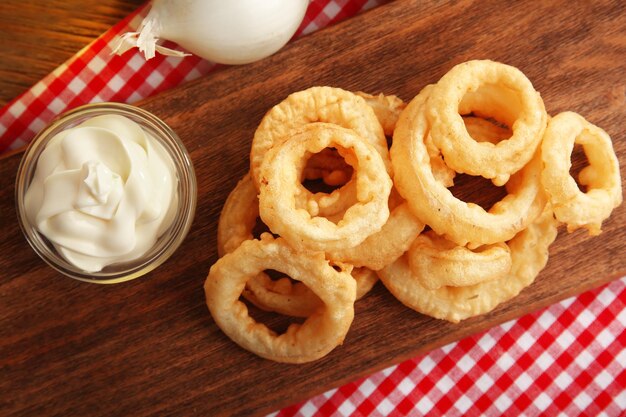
column 168, row 241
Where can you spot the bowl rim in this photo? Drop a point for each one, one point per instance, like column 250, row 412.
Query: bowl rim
column 167, row 243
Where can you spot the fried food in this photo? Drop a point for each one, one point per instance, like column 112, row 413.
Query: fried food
column 280, row 176
column 482, row 118
column 329, row 166
column 295, row 299
column 601, row 177
column 437, row 262
column 431, row 202
column 529, row 255
column 282, row 295
column 238, row 216
column 316, row 104
column 486, row 87
column 387, row 109
column 321, row 332
column 383, row 247
column 483, row 130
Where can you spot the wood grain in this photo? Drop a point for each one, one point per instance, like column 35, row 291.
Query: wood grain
column 37, row 36
column 149, row 347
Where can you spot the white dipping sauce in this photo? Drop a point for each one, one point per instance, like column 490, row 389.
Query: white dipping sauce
column 103, row 192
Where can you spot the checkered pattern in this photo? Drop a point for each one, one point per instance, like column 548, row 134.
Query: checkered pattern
column 95, row 74
column 568, row 359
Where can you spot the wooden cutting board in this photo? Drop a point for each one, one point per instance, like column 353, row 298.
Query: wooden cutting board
column 150, row 347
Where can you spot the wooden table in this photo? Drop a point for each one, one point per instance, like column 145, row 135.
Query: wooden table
column 38, row 35
column 150, row 347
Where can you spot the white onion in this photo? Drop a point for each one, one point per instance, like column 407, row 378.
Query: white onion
column 223, row 31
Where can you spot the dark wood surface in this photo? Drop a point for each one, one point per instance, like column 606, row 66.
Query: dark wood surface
column 150, row 347
column 38, row 35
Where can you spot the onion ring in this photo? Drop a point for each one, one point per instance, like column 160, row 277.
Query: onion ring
column 238, row 217
column 281, row 296
column 464, row 154
column 278, row 192
column 385, row 246
column 529, row 255
column 326, row 204
column 437, row 262
column 431, row 202
column 329, row 166
column 482, row 130
column 321, row 332
column 294, row 298
column 235, row 226
column 602, row 177
column 316, row 104
column 387, row 109
column 323, row 104
column 334, row 171
column 331, row 244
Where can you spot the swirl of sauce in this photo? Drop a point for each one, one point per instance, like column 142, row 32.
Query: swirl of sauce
column 103, row 192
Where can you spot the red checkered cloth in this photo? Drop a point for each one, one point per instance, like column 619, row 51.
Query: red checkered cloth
column 568, row 359
column 95, row 74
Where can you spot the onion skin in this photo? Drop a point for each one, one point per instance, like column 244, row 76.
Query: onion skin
column 227, row 32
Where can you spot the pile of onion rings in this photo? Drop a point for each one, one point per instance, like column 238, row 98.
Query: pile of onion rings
column 389, row 211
